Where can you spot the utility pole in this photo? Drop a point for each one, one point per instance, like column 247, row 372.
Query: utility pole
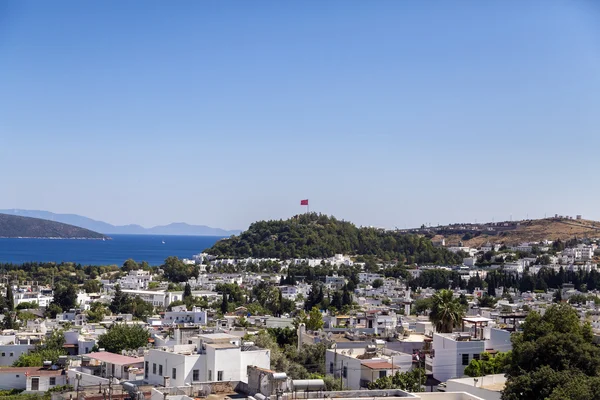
column 342, row 377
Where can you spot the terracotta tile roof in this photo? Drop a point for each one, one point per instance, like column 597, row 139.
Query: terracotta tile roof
column 378, row 365
column 31, row 371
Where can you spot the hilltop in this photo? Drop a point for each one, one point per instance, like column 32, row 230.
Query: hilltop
column 320, row 236
column 514, row 232
column 12, row 226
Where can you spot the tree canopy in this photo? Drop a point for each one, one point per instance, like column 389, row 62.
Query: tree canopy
column 446, row 311
column 123, row 337
column 553, row 356
column 176, row 270
column 318, row 236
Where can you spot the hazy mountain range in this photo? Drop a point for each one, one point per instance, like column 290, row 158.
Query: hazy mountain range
column 17, row 226
column 177, row 228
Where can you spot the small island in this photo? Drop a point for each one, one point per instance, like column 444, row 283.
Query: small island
column 13, row 226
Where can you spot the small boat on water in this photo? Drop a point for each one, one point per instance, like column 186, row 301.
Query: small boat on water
column 163, row 242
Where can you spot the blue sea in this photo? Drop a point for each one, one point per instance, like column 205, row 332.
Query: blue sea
column 149, row 248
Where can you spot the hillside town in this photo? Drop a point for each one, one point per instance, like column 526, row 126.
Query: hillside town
column 344, row 327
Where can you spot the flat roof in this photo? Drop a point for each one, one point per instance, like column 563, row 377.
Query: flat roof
column 222, row 345
column 476, row 319
column 113, row 358
column 217, row 336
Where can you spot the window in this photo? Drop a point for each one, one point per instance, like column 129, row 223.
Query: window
column 475, row 356
column 3, row 354
column 196, row 375
column 345, row 372
column 52, row 381
column 146, row 366
column 331, row 368
column 219, row 375
column 174, row 374
column 160, row 370
column 465, row 359
column 12, row 354
column 382, row 374
column 154, row 368
column 210, row 375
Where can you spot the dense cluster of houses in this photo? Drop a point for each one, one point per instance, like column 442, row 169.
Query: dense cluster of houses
column 198, row 349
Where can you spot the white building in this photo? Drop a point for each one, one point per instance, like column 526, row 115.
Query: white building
column 43, row 297
column 488, row 387
column 31, row 379
column 375, row 362
column 11, row 350
column 136, row 280
column 180, row 315
column 208, row 358
column 452, row 352
column 368, row 277
column 289, row 292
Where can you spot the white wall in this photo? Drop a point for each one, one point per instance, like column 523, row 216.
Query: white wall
column 259, row 358
column 10, row 353
column 447, row 360
column 353, row 365
column 44, row 382
column 86, row 379
column 12, row 380
column 466, row 385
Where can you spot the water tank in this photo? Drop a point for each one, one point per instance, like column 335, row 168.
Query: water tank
column 309, row 385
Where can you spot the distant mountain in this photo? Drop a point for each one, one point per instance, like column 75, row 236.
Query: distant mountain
column 178, row 228
column 14, row 226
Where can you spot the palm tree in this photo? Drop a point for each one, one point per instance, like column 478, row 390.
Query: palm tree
column 446, row 311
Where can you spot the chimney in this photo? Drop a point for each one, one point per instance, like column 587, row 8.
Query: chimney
column 301, row 331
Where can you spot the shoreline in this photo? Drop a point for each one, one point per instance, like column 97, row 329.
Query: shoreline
column 55, row 238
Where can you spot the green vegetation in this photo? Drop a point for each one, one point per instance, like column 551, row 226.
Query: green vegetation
column 446, row 311
column 26, row 305
column 317, row 236
column 313, row 320
column 411, row 381
column 488, row 364
column 286, row 358
column 123, row 337
column 97, row 312
column 176, row 271
column 553, row 358
column 50, row 350
column 122, row 303
column 13, row 226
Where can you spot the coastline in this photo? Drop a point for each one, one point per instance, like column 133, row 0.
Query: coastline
column 55, row 238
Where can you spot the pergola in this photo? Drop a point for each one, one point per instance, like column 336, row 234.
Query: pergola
column 481, row 321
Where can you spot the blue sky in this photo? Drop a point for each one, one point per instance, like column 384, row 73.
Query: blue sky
column 385, row 113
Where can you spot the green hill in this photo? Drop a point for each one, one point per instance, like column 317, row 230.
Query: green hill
column 319, row 236
column 13, row 226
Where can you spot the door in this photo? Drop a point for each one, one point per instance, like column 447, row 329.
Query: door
column 35, row 384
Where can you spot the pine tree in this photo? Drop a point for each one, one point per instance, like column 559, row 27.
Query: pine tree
column 187, row 292
column 10, row 301
column 224, row 304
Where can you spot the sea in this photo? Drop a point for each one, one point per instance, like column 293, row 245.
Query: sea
column 153, row 249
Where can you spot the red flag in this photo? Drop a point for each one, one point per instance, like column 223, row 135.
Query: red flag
column 304, row 202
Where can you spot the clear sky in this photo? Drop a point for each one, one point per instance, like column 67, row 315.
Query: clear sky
column 385, row 113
